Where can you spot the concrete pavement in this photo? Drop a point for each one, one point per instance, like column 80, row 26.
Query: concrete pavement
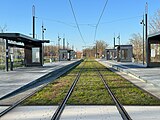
column 85, row 112
column 13, row 80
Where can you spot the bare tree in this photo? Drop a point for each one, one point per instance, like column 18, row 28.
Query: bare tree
column 2, row 44
column 101, row 46
column 137, row 43
column 154, row 25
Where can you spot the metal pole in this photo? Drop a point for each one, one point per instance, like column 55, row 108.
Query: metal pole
column 67, row 45
column 119, row 40
column 59, row 47
column 33, row 13
column 42, row 44
column 114, row 41
column 96, row 50
column 7, row 54
column 63, row 43
column 143, row 39
column 42, row 31
column 146, row 36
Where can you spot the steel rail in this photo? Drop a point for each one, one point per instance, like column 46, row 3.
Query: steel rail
column 119, row 106
column 32, row 93
column 59, row 110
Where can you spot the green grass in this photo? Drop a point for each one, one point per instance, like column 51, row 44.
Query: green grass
column 2, row 67
column 54, row 92
column 90, row 89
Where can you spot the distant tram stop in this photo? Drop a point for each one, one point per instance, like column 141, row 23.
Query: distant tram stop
column 33, row 49
column 153, row 50
column 122, row 53
column 65, row 54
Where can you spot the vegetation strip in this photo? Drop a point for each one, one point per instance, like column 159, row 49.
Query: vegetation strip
column 119, row 106
column 61, row 107
column 90, row 89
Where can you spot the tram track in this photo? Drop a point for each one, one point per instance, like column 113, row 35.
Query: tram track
column 119, row 106
column 61, row 107
column 91, row 86
column 96, row 74
column 121, row 109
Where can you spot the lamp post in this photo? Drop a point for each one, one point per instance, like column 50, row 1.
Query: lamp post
column 142, row 22
column 43, row 29
column 59, row 47
column 33, row 15
column 146, row 34
column 34, row 35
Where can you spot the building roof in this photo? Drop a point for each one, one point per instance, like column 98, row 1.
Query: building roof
column 110, row 49
column 123, row 45
column 18, row 37
column 154, row 36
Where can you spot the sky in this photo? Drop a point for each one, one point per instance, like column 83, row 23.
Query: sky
column 120, row 17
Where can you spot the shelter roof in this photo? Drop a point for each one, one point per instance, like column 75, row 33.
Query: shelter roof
column 18, row 37
column 154, row 36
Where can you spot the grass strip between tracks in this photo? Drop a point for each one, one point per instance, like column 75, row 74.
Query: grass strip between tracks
column 90, row 89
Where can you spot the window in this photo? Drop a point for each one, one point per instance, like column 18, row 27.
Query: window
column 124, row 54
column 155, row 53
column 35, row 54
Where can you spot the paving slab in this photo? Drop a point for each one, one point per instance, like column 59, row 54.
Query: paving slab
column 13, row 80
column 30, row 113
column 144, row 112
column 90, row 112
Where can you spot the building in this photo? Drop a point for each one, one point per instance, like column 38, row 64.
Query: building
column 122, row 53
column 33, row 48
column 65, row 54
column 111, row 54
column 153, row 50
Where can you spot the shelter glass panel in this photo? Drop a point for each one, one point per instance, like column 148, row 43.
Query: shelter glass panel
column 124, row 54
column 35, row 54
column 155, row 53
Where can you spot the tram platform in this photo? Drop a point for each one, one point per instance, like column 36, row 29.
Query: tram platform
column 146, row 78
column 83, row 112
column 13, row 80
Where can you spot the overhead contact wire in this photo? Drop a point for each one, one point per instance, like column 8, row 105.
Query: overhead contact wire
column 76, row 22
column 100, row 19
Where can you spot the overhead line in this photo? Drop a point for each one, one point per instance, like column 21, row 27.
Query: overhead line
column 76, row 22
column 112, row 21
column 100, row 19
column 122, row 19
column 58, row 21
column 102, row 13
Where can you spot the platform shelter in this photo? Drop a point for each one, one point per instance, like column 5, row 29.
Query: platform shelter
column 111, row 54
column 121, row 53
column 33, row 50
column 124, row 53
column 153, row 50
column 65, row 54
